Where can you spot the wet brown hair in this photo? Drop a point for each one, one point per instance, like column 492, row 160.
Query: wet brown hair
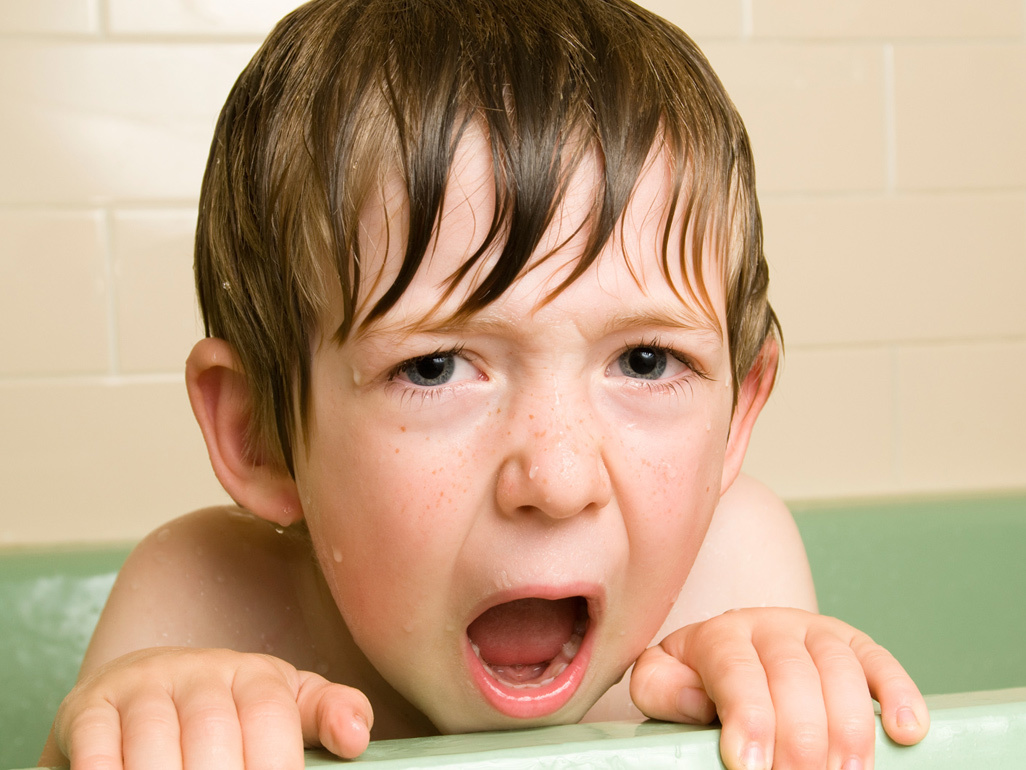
column 343, row 91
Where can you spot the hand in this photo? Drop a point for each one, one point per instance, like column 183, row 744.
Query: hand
column 196, row 708
column 791, row 688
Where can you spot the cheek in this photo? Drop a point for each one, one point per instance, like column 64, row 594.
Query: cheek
column 387, row 522
column 669, row 492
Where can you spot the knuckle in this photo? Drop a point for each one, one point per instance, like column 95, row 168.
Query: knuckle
column 753, row 721
column 854, row 734
column 803, row 745
column 210, row 719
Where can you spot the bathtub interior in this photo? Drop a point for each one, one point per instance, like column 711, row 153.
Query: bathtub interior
column 939, row 582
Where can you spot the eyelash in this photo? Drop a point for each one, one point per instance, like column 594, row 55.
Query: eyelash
column 412, row 390
column 678, row 385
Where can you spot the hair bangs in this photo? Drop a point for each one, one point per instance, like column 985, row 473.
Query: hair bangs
column 346, row 92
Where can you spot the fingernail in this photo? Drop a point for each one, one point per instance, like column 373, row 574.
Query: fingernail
column 852, row 764
column 690, row 701
column 753, row 758
column 907, row 718
column 360, row 723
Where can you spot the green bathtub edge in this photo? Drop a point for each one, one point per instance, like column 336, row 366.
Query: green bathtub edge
column 969, row 730
column 938, row 581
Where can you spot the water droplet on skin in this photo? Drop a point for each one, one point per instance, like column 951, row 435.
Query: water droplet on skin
column 280, row 530
column 533, row 472
column 708, row 426
column 163, row 535
column 336, row 555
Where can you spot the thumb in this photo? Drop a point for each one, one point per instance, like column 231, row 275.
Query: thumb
column 334, row 716
column 665, row 688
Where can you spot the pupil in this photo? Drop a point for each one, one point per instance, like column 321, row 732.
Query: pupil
column 430, row 369
column 648, row 363
column 643, row 360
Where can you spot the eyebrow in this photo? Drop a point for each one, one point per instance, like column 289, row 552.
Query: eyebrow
column 683, row 319
column 679, row 319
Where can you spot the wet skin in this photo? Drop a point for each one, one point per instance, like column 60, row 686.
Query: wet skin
column 569, row 448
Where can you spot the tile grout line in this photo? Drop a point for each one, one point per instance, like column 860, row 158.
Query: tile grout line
column 747, row 19
column 113, row 347
column 890, row 120
column 897, row 439
column 103, row 17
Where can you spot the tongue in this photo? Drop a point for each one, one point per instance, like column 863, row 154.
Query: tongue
column 523, row 632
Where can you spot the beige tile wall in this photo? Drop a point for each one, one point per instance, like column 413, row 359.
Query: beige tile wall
column 891, row 144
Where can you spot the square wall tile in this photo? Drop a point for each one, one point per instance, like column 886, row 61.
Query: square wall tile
column 815, row 113
column 963, row 416
column 98, row 461
column 49, row 16
column 252, row 17
column 913, row 267
column 101, row 121
column 887, row 19
column 961, row 116
column 698, row 18
column 158, row 320
column 53, row 293
column 827, row 430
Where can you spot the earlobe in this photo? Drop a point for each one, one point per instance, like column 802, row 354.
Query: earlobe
column 223, row 406
column 753, row 393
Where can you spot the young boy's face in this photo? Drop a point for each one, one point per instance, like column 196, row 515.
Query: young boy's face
column 559, row 462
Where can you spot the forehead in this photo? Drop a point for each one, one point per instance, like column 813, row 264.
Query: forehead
column 651, row 239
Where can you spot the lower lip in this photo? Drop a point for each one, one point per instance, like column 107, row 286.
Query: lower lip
column 530, row 702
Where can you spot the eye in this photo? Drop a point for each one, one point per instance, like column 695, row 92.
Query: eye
column 434, row 370
column 430, row 370
column 643, row 363
column 649, row 362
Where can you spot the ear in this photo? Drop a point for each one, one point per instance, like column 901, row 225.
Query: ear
column 752, row 396
column 222, row 403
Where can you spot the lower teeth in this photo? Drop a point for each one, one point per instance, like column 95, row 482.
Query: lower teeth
column 520, row 676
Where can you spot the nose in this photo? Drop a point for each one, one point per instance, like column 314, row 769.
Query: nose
column 553, row 463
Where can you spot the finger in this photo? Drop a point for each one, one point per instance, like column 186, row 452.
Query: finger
column 211, row 735
column 272, row 736
column 150, row 731
column 902, row 708
column 721, row 652
column 797, row 696
column 92, row 740
column 664, row 688
column 334, row 716
column 851, row 724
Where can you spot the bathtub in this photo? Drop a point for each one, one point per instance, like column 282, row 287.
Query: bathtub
column 940, row 582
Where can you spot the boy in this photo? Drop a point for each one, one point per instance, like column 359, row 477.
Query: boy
column 488, row 336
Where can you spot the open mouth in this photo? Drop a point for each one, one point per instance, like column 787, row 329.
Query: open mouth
column 529, row 655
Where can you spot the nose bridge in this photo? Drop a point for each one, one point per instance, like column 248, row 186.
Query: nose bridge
column 555, row 463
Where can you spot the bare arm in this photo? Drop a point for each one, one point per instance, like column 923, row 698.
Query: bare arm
column 790, row 687
column 752, row 556
column 204, row 629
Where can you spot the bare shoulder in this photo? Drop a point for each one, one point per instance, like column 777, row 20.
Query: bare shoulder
column 218, row 577
column 752, row 556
